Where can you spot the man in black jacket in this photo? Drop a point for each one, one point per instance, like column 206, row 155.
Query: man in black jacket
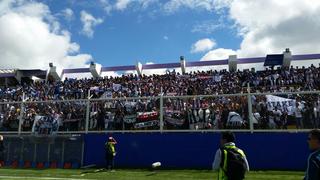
column 230, row 160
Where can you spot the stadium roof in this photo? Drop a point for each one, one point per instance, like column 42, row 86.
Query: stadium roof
column 7, row 73
column 42, row 73
column 2, row 71
column 190, row 64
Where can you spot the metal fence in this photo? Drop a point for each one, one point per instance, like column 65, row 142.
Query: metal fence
column 280, row 111
column 40, row 149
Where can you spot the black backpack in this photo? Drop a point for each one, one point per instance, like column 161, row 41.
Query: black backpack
column 236, row 165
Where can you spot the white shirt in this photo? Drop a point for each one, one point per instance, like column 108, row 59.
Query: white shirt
column 234, row 119
column 277, row 114
column 298, row 112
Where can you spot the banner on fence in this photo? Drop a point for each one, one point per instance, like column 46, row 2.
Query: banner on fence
column 174, row 117
column 146, row 124
column 284, row 104
column 45, row 125
column 130, row 118
column 147, row 116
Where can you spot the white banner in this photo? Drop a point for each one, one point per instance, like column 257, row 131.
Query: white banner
column 105, row 95
column 283, row 104
column 94, row 88
column 116, row 87
column 130, row 118
column 45, row 125
column 146, row 124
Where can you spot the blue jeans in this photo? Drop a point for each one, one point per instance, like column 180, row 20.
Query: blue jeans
column 299, row 123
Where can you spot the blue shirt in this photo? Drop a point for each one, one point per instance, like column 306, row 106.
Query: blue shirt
column 313, row 169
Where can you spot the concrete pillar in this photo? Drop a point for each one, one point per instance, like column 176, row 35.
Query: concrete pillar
column 183, row 64
column 95, row 69
column 287, row 57
column 139, row 68
column 232, row 61
column 6, row 80
column 18, row 75
column 55, row 72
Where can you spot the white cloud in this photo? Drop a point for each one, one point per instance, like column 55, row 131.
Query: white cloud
column 122, row 4
column 207, row 27
column 89, row 22
column 153, row 71
column 218, row 54
column 31, row 38
column 219, row 5
column 109, row 74
column 67, row 14
column 165, row 37
column 106, row 5
column 146, row 3
column 276, row 25
column 174, row 5
column 38, row 10
column 203, row 45
column 170, row 6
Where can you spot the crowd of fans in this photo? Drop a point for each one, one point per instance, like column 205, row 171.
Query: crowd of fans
column 192, row 113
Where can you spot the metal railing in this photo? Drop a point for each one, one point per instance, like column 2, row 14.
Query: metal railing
column 86, row 119
column 50, row 149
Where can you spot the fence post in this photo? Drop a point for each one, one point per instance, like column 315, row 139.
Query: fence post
column 21, row 114
column 8, row 150
column 49, row 149
column 250, row 109
column 62, row 153
column 161, row 112
column 87, row 113
column 21, row 151
column 82, row 151
column 87, row 116
column 35, row 152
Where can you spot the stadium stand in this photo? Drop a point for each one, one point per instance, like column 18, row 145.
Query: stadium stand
column 52, row 106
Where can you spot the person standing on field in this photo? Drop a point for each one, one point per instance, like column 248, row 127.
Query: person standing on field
column 110, row 152
column 230, row 161
column 313, row 168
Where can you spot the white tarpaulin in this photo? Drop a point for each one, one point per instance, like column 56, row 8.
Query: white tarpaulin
column 45, row 125
column 284, row 104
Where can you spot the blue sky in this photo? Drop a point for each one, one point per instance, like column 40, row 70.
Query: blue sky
column 71, row 33
column 145, row 35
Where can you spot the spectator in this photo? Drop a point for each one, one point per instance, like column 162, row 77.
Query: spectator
column 211, row 82
column 298, row 115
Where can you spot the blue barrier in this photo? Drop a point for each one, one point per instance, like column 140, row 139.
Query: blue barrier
column 265, row 151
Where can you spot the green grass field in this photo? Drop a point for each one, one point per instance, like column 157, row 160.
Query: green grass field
column 62, row 174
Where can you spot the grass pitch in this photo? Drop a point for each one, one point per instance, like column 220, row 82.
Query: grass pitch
column 136, row 174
